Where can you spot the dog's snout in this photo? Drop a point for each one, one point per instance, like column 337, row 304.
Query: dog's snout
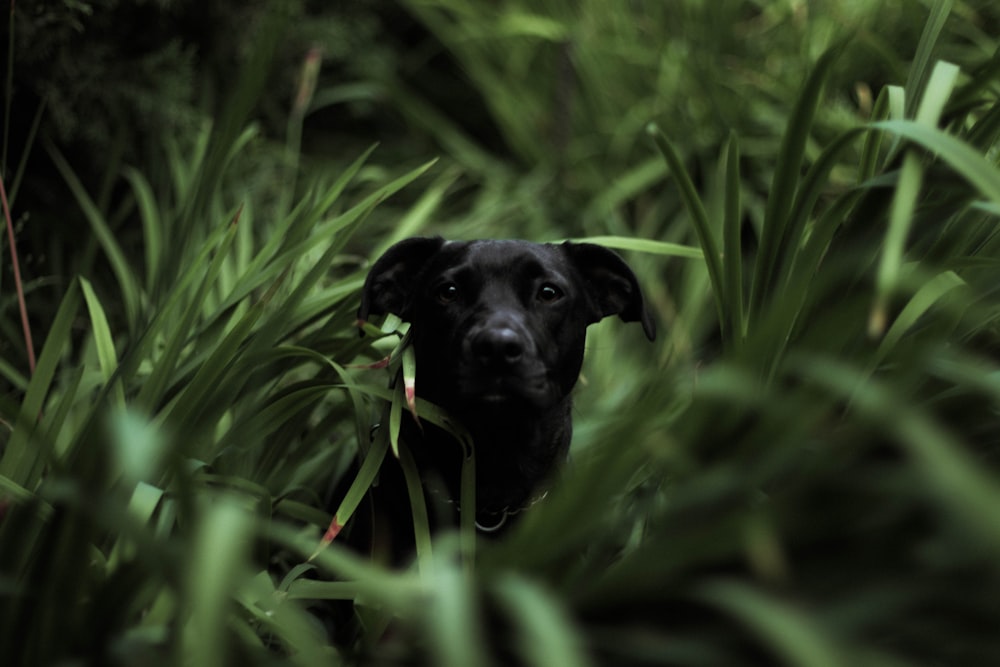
column 498, row 346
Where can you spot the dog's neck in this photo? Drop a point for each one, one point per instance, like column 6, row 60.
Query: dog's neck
column 514, row 454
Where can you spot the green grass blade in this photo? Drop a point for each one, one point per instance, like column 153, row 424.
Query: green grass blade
column 544, row 631
column 932, row 292
column 415, row 492
column 900, row 219
column 813, row 184
column 396, row 417
column 643, row 245
column 699, row 218
column 153, row 389
column 956, row 479
column 21, row 457
column 249, row 84
column 152, row 225
column 776, row 239
column 783, row 629
column 217, row 566
column 972, row 165
column 936, row 94
column 116, row 256
column 103, row 341
column 356, row 492
column 16, row 378
column 919, row 70
column 452, row 620
column 873, row 139
column 732, row 249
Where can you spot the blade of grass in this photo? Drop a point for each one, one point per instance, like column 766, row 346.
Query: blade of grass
column 699, row 218
column 544, row 631
column 776, row 239
column 957, row 480
column 900, row 219
column 98, row 224
column 21, row 456
column 452, row 620
column 933, row 291
column 152, row 225
column 813, row 184
column 359, row 487
column 918, row 74
column 103, row 342
column 732, row 257
column 782, row 628
column 218, row 564
column 153, row 389
column 936, row 94
column 873, row 139
column 415, row 492
column 972, row 165
column 643, row 245
column 15, row 183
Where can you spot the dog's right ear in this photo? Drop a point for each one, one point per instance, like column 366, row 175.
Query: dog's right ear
column 391, row 279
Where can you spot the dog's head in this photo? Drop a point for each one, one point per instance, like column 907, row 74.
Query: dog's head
column 499, row 326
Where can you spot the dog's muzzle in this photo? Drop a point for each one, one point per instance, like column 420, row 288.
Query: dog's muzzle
column 500, row 366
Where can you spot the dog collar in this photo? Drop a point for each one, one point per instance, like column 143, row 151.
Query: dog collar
column 488, row 521
column 504, row 514
column 501, row 515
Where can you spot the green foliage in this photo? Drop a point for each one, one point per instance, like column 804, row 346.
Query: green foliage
column 802, row 470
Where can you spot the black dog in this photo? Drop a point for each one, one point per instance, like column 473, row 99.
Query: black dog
column 498, row 331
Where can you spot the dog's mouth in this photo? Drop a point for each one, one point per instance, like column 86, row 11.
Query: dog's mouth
column 505, row 391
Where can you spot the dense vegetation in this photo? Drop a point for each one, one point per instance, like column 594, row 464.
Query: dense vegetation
column 802, row 470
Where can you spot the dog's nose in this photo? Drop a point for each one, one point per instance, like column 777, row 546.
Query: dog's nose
column 498, row 346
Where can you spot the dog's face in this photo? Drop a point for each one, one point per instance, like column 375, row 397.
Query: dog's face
column 499, row 326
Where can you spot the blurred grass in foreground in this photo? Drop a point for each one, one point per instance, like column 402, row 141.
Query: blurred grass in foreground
column 823, row 492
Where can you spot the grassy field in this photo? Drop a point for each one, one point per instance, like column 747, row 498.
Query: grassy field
column 802, row 470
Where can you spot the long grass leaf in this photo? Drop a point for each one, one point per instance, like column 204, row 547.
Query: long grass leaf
column 21, row 460
column 452, row 620
column 950, row 474
column 783, row 629
column 919, row 71
column 776, row 238
column 972, row 165
column 873, row 139
column 152, row 225
column 356, row 492
column 153, row 389
column 218, row 563
column 643, row 245
column 925, row 298
column 99, row 226
column 936, row 94
column 900, row 220
column 732, row 253
column 699, row 218
column 544, row 631
column 15, row 377
column 103, row 342
column 812, row 186
column 418, row 507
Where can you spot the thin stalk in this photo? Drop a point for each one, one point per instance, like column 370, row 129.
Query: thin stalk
column 18, row 285
column 8, row 92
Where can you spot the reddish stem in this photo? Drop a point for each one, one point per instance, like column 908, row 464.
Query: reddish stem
column 17, row 278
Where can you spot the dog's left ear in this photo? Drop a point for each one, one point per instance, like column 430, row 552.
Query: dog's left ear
column 389, row 284
column 612, row 286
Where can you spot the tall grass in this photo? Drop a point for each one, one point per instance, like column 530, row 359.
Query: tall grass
column 802, row 472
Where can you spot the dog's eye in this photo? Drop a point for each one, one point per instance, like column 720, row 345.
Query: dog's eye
column 549, row 293
column 447, row 293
